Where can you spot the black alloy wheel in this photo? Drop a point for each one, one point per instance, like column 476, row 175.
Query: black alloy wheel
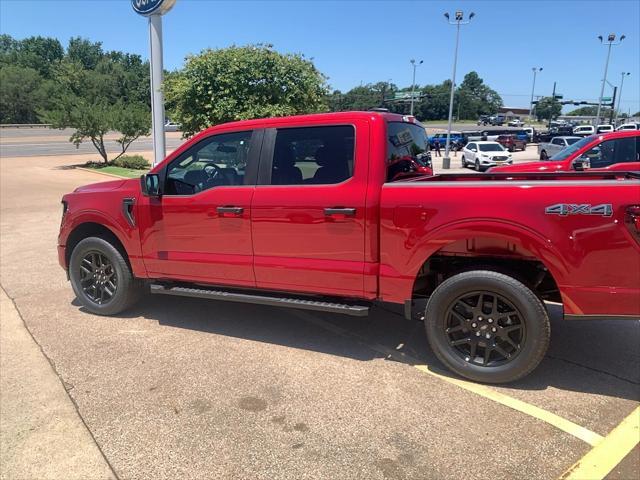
column 98, row 278
column 485, row 329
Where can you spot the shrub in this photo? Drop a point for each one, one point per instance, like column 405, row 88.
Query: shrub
column 136, row 162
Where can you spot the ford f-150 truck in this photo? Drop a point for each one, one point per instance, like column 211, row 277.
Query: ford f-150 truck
column 304, row 212
column 610, row 151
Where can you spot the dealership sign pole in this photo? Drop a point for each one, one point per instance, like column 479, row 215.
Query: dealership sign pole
column 154, row 9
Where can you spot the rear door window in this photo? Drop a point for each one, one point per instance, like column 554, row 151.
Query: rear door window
column 313, row 155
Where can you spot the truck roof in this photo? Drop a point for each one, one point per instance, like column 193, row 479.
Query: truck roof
column 320, row 117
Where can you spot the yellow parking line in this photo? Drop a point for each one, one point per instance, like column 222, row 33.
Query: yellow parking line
column 603, row 458
column 560, row 423
column 552, row 419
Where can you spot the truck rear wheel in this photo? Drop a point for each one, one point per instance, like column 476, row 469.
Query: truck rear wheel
column 487, row 326
column 101, row 277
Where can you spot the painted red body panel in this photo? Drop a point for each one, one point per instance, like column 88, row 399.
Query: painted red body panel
column 566, row 164
column 284, row 241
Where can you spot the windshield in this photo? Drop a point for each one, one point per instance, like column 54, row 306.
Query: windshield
column 491, row 147
column 571, row 149
column 571, row 141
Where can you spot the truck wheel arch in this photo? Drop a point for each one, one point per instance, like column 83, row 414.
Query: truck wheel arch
column 501, row 246
column 90, row 224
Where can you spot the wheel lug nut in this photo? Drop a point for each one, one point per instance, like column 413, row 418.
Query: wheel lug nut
column 487, row 336
column 490, row 320
column 478, row 334
column 474, row 324
column 480, row 318
column 494, row 329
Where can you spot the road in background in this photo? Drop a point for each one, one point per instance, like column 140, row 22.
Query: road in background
column 26, row 142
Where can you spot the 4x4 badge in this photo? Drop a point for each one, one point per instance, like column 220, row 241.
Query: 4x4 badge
column 564, row 209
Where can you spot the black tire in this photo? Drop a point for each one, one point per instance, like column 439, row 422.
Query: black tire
column 477, row 166
column 127, row 288
column 464, row 162
column 530, row 323
column 543, row 155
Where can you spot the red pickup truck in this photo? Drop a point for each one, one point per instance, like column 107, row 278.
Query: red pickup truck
column 619, row 151
column 304, row 212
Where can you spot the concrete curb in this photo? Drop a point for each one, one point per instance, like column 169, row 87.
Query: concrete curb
column 43, row 435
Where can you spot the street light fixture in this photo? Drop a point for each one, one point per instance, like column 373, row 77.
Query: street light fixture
column 611, row 41
column 624, row 74
column 533, row 88
column 459, row 20
column 413, row 83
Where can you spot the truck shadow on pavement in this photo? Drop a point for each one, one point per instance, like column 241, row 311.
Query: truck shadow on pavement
column 585, row 356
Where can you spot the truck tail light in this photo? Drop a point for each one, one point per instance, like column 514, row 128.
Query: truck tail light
column 632, row 220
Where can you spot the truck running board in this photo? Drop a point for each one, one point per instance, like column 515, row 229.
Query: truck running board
column 353, row 310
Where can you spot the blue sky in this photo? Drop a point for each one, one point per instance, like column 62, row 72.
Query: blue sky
column 366, row 41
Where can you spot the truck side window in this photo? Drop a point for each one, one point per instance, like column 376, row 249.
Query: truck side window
column 621, row 150
column 313, row 155
column 219, row 160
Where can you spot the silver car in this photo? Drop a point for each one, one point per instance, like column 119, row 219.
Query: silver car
column 549, row 149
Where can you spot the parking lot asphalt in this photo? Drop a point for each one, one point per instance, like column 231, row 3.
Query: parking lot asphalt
column 189, row 388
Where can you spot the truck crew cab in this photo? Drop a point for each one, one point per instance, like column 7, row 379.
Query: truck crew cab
column 305, row 212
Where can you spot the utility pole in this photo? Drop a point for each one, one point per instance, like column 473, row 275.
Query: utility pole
column 613, row 102
column 533, row 88
column 459, row 17
column 413, row 82
column 624, row 74
column 553, row 95
column 610, row 42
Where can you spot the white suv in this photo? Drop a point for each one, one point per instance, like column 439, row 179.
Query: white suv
column 584, row 130
column 604, row 128
column 482, row 155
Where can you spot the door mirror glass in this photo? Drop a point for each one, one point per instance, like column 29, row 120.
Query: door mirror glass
column 150, row 185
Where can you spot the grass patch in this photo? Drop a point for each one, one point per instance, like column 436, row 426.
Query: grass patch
column 113, row 170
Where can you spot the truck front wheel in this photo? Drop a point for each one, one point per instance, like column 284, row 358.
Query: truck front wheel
column 487, row 326
column 101, row 277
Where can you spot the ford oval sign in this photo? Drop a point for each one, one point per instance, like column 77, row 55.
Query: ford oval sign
column 152, row 7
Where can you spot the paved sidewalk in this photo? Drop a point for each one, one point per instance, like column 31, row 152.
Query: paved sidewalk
column 41, row 434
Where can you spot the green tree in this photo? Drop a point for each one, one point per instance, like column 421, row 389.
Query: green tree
column 434, row 105
column 548, row 108
column 474, row 98
column 363, row 97
column 85, row 52
column 238, row 83
column 21, row 94
column 92, row 120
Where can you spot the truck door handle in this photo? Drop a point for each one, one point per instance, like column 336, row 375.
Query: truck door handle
column 349, row 212
column 226, row 210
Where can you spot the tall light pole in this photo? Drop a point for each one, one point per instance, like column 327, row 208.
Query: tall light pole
column 154, row 9
column 413, row 82
column 611, row 41
column 459, row 17
column 533, row 89
column 624, row 74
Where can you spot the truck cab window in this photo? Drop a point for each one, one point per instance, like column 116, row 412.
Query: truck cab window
column 219, row 160
column 313, row 155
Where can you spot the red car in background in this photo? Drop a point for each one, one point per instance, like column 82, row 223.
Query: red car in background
column 512, row 142
column 610, row 151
